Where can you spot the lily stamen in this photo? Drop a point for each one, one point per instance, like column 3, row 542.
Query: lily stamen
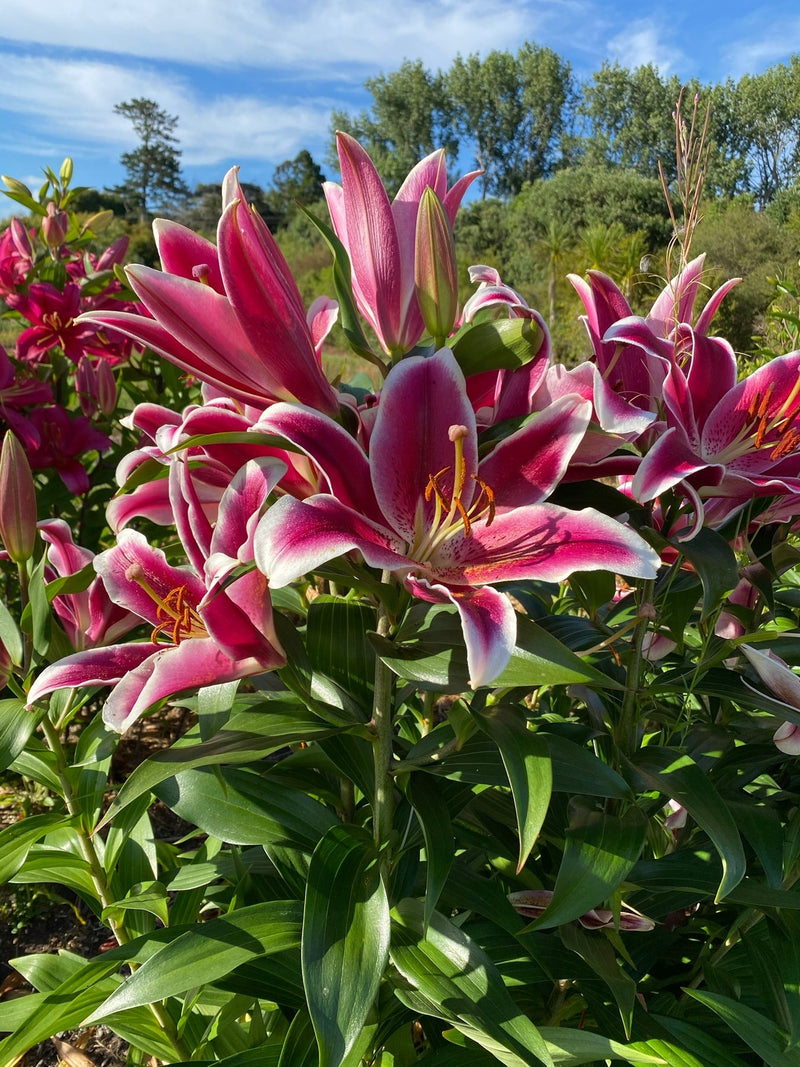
column 178, row 619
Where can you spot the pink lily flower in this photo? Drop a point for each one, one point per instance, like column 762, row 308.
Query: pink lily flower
column 90, row 618
column 204, row 632
column 231, row 315
column 380, row 237
column 60, row 439
column 448, row 525
column 784, row 683
column 636, row 374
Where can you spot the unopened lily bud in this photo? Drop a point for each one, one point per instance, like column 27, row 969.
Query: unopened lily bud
column 65, row 173
column 21, row 238
column 96, row 387
column 435, row 267
column 54, row 226
column 106, row 388
column 17, row 501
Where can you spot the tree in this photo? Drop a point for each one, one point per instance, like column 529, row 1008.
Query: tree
column 409, row 118
column 767, row 115
column 511, row 109
column 295, row 181
column 153, row 170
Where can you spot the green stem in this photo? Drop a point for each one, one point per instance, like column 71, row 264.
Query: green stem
column 627, row 732
column 98, row 873
column 382, row 740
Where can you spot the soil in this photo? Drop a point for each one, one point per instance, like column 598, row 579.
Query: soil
column 35, row 919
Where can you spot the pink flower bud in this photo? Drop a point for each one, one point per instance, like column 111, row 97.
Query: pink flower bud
column 17, row 501
column 435, row 267
column 6, row 666
column 96, row 387
column 21, row 239
column 54, row 226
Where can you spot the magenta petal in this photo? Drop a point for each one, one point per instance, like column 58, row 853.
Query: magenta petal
column 780, row 377
column 488, row 620
column 98, row 666
column 711, row 308
column 675, row 303
column 171, row 670
column 241, row 505
column 422, row 399
column 296, row 536
column 239, row 619
column 545, row 542
column 668, row 462
column 338, row 455
column 372, row 241
column 527, row 466
column 187, row 254
column 133, row 558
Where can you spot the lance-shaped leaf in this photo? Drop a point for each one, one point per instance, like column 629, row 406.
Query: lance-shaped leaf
column 599, row 852
column 345, row 939
column 458, row 982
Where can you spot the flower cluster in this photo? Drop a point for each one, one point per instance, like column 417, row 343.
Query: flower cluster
column 441, row 480
column 49, row 277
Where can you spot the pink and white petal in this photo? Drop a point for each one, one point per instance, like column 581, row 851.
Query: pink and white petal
column 776, row 383
column 545, row 542
column 711, row 308
column 453, row 197
column 675, row 303
column 372, row 239
column 321, row 317
column 133, row 558
column 712, row 374
column 241, row 506
column 424, row 396
column 97, row 666
column 187, row 254
column 239, row 619
column 337, row 454
column 775, row 674
column 616, row 414
column 296, row 536
column 527, row 466
column 787, row 738
column 488, row 621
column 668, row 462
column 173, row 669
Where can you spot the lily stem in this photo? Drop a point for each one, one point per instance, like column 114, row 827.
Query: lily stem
column 98, row 873
column 382, row 741
column 629, row 713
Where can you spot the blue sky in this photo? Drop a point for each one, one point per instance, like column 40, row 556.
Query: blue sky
column 254, row 81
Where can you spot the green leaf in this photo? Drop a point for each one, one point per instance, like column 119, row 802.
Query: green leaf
column 11, row 636
column 761, row 1034
column 39, row 608
column 429, row 651
column 207, row 952
column 459, row 983
column 599, row 953
column 437, row 831
column 504, row 344
column 16, row 840
column 599, row 852
column 526, row 758
column 146, row 896
column 337, row 643
column 16, row 726
column 714, row 560
column 348, row 313
column 675, row 775
column 345, row 938
column 246, row 808
column 248, row 736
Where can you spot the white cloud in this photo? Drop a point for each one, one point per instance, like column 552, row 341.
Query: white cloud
column 645, row 41
column 72, row 101
column 312, row 35
column 757, row 49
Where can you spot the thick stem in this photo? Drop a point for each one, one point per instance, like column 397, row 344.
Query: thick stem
column 382, row 739
column 627, row 732
column 98, row 873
